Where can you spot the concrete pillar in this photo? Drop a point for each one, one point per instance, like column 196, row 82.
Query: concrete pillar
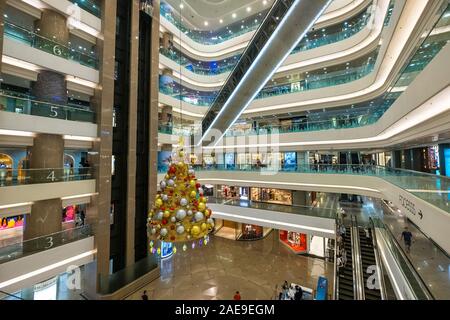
column 50, row 87
column 2, row 10
column 46, row 215
column 98, row 213
column 299, row 198
column 302, row 159
column 166, row 147
column 154, row 102
column 132, row 134
column 444, row 150
column 53, row 26
column 166, row 40
column 166, row 113
column 48, row 150
column 167, row 72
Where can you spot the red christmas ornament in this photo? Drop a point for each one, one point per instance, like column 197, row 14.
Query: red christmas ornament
column 198, row 185
column 164, row 221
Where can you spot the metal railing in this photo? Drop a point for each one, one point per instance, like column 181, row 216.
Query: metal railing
column 379, row 262
column 358, row 276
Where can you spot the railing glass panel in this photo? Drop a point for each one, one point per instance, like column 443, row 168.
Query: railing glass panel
column 34, row 40
column 12, row 103
column 89, row 5
column 32, row 246
column 14, row 177
column 291, row 209
column 431, row 188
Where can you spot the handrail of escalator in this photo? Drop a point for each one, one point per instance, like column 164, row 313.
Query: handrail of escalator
column 358, row 276
column 241, row 60
column 415, row 282
column 378, row 261
column 336, row 270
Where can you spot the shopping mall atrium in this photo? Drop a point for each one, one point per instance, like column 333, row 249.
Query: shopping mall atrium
column 225, row 149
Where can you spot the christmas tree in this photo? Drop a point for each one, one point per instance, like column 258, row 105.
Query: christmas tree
column 179, row 212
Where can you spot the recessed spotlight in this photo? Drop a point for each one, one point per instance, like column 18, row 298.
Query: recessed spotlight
column 234, row 15
column 206, row 23
column 264, row 2
column 221, row 20
column 249, row 9
column 181, row 6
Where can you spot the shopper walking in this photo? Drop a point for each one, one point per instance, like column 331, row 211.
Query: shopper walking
column 407, row 239
column 237, row 296
column 298, row 293
column 144, row 296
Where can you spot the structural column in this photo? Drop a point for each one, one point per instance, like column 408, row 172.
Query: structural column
column 46, row 215
column 98, row 213
column 300, row 198
column 47, row 151
column 2, row 19
column 166, row 114
column 132, row 133
column 154, row 97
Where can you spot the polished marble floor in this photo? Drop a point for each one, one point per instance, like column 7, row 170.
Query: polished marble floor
column 217, row 271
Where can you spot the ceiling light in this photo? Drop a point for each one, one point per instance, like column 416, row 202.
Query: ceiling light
column 181, row 6
column 206, row 23
column 221, row 20
column 249, row 9
column 264, row 2
column 234, row 15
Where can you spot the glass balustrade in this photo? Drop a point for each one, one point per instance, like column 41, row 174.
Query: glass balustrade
column 89, row 5
column 200, row 67
column 47, row 242
column 15, row 177
column 315, row 81
column 431, row 188
column 178, row 92
column 242, row 26
column 341, row 122
column 34, row 40
column 313, row 39
column 318, row 81
column 12, row 103
column 333, row 34
column 291, row 209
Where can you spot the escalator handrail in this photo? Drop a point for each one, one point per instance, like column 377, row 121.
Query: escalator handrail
column 358, row 276
column 258, row 30
column 408, row 262
column 336, row 269
column 257, row 34
column 378, row 262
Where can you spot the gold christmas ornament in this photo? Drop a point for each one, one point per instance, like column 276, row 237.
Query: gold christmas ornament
column 179, row 212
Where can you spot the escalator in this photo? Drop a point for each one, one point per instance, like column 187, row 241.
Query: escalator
column 368, row 261
column 284, row 26
column 345, row 274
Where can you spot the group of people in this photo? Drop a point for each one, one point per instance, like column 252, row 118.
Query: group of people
column 341, row 253
column 290, row 292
